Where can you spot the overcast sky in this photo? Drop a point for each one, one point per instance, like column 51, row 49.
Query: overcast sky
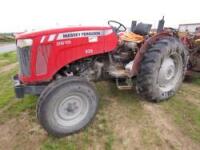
column 20, row 15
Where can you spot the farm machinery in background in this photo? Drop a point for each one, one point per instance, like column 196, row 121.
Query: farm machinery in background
column 60, row 64
column 192, row 42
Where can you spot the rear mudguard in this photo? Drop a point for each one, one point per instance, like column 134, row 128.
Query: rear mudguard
column 140, row 54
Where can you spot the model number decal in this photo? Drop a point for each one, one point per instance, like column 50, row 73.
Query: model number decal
column 61, row 43
column 92, row 39
column 89, row 51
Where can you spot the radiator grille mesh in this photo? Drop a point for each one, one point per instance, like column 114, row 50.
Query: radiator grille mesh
column 24, row 60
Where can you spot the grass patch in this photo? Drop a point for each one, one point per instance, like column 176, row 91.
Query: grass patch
column 130, row 100
column 186, row 115
column 150, row 138
column 196, row 78
column 109, row 142
column 190, row 91
column 59, row 144
column 7, row 96
column 7, row 92
column 27, row 103
column 7, row 58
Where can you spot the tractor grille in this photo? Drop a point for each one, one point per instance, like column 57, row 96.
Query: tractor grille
column 24, row 60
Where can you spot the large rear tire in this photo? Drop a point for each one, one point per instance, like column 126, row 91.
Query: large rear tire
column 66, row 106
column 162, row 69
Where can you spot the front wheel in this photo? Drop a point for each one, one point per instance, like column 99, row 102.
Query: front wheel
column 67, row 106
column 162, row 69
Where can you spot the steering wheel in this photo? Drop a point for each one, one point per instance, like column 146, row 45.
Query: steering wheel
column 119, row 26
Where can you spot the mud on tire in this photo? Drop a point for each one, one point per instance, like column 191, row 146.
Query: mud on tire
column 162, row 69
column 66, row 106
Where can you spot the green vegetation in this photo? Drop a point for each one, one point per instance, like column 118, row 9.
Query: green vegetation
column 185, row 114
column 27, row 103
column 59, row 144
column 7, row 58
column 150, row 137
column 196, row 78
column 6, row 38
column 6, row 92
column 109, row 142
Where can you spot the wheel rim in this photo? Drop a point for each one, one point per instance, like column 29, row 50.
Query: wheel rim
column 71, row 110
column 170, row 72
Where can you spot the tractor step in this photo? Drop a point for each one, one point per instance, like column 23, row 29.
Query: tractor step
column 119, row 73
column 126, row 85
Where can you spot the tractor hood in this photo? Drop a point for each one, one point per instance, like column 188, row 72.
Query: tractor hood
column 26, row 35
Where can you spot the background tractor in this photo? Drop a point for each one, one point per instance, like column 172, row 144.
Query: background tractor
column 192, row 42
column 60, row 64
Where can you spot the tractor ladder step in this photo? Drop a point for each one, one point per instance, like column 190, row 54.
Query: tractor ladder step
column 119, row 73
column 127, row 85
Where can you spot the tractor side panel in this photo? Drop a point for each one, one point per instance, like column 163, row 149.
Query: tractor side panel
column 59, row 50
column 76, row 49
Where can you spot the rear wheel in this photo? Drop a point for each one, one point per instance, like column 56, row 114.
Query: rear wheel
column 162, row 70
column 67, row 106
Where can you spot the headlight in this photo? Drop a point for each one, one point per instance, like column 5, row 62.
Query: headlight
column 24, row 43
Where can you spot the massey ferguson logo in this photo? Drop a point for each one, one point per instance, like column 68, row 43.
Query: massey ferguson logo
column 79, row 34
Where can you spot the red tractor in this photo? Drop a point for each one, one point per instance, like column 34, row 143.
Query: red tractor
column 59, row 65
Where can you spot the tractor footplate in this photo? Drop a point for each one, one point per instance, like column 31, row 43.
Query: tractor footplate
column 124, row 85
column 119, row 73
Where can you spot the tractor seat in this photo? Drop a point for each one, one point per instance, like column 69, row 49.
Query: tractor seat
column 142, row 29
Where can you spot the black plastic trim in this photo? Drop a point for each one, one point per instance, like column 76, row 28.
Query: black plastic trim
column 21, row 89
